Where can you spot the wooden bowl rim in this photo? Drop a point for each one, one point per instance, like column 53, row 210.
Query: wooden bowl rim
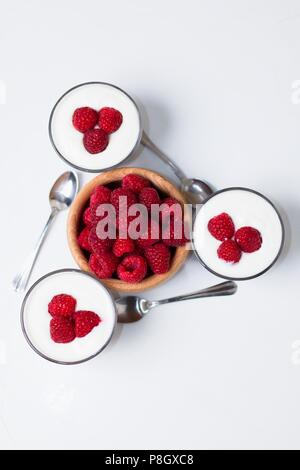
column 80, row 203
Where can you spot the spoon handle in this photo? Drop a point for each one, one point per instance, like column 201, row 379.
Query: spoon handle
column 21, row 279
column 147, row 142
column 225, row 288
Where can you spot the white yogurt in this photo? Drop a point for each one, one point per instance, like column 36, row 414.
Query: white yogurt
column 246, row 209
column 68, row 141
column 90, row 295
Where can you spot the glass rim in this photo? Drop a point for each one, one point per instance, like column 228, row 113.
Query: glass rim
column 35, row 349
column 229, row 278
column 64, row 158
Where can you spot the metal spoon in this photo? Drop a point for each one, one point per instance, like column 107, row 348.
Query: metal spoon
column 131, row 308
column 195, row 190
column 61, row 197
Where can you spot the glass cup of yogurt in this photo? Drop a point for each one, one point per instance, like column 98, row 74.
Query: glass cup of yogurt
column 67, row 142
column 246, row 208
column 90, row 295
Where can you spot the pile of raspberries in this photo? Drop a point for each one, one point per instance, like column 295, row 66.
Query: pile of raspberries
column 96, row 126
column 124, row 258
column 234, row 243
column 67, row 323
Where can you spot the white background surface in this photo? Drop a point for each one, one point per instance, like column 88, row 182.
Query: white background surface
column 215, row 79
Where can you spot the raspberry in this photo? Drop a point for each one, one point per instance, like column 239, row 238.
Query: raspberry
column 95, row 141
column 121, row 247
column 124, row 224
column 98, row 245
column 120, row 204
column 105, row 214
column 229, row 251
column 135, row 182
column 174, row 234
column 249, row 239
column 110, row 119
column 86, row 218
column 135, row 223
column 85, row 322
column 62, row 304
column 62, row 330
column 171, row 210
column 100, row 195
column 84, row 119
column 103, row 265
column 83, row 239
column 138, row 251
column 158, row 257
column 122, row 199
column 133, row 268
column 221, row 227
column 149, row 196
column 150, row 236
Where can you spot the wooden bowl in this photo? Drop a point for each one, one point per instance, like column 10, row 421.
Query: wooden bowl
column 81, row 202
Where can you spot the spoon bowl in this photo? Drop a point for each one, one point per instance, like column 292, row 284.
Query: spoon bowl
column 63, row 191
column 196, row 191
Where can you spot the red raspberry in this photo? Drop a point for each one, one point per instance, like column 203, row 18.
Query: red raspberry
column 124, row 224
column 172, row 210
column 62, row 304
column 221, row 227
column 135, row 223
column 229, row 251
column 158, row 257
column 122, row 246
column 95, row 141
column 86, row 218
column 110, row 119
column 105, row 214
column 122, row 193
column 62, row 330
column 174, row 234
column 122, row 199
column 146, row 239
column 84, row 119
column 83, row 239
column 135, row 182
column 138, row 251
column 98, row 245
column 103, row 265
column 133, row 268
column 100, row 195
column 249, row 239
column 149, row 196
column 85, row 322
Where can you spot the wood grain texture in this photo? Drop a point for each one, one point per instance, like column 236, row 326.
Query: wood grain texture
column 81, row 202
